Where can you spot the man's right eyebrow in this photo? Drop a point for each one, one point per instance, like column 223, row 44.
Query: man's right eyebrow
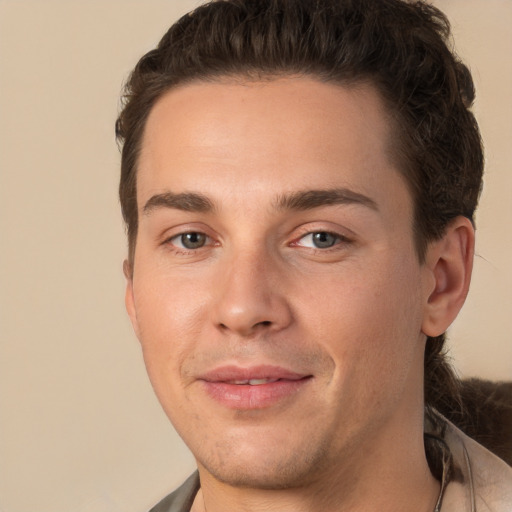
column 186, row 201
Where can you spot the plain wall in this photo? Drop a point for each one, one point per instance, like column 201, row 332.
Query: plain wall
column 80, row 429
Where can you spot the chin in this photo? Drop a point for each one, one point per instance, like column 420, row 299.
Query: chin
column 264, row 468
column 271, row 478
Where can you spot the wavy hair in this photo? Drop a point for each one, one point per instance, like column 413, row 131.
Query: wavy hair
column 402, row 48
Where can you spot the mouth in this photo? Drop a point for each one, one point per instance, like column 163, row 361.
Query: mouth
column 252, row 382
column 253, row 388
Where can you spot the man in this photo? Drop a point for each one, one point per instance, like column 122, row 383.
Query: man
column 299, row 179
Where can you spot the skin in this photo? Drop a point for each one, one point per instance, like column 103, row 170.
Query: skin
column 353, row 317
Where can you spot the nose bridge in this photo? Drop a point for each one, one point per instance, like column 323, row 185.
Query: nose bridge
column 248, row 299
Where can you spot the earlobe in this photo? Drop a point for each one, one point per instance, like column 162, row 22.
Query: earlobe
column 449, row 261
column 129, row 298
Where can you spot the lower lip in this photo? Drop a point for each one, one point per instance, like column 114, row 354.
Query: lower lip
column 246, row 397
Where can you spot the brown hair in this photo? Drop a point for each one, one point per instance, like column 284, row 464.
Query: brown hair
column 400, row 47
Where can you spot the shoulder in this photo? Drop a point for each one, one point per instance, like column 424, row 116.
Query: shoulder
column 181, row 499
column 485, row 483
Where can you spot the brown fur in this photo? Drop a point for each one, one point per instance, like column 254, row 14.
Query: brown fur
column 486, row 415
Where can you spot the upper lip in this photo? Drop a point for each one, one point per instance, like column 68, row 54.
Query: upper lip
column 237, row 373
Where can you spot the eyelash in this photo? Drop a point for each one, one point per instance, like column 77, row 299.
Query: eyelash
column 185, row 250
column 340, row 240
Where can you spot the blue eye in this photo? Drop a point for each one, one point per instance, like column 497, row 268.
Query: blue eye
column 319, row 240
column 191, row 240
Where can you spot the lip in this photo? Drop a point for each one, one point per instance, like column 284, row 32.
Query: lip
column 229, row 386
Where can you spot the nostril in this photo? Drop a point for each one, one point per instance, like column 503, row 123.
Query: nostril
column 245, row 329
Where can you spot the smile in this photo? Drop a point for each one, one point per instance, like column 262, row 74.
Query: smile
column 252, row 382
column 253, row 388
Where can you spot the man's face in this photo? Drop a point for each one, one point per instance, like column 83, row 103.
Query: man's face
column 276, row 290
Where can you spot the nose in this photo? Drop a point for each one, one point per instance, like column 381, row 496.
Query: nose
column 250, row 297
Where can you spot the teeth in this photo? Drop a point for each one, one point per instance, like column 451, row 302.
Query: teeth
column 253, row 382
column 258, row 382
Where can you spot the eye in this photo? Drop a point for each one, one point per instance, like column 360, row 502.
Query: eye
column 319, row 240
column 192, row 240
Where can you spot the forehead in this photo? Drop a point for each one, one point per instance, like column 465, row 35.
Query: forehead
column 280, row 134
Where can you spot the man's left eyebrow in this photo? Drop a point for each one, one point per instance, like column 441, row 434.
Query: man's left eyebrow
column 309, row 199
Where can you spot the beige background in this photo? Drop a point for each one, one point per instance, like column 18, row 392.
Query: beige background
column 80, row 429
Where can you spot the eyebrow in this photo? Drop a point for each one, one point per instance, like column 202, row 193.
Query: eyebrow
column 309, row 199
column 186, row 201
column 301, row 200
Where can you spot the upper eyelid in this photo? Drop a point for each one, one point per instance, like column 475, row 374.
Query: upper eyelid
column 344, row 234
column 340, row 236
column 183, row 229
column 298, row 232
column 330, row 231
column 181, row 233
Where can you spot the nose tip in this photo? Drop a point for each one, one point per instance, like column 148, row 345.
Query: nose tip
column 245, row 328
column 250, row 314
column 248, row 300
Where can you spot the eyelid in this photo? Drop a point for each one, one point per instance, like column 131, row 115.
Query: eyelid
column 340, row 239
column 168, row 237
column 180, row 235
column 309, row 228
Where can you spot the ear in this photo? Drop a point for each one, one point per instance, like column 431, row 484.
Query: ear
column 449, row 263
column 129, row 298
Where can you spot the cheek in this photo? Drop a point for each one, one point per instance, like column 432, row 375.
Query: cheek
column 170, row 318
column 368, row 320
